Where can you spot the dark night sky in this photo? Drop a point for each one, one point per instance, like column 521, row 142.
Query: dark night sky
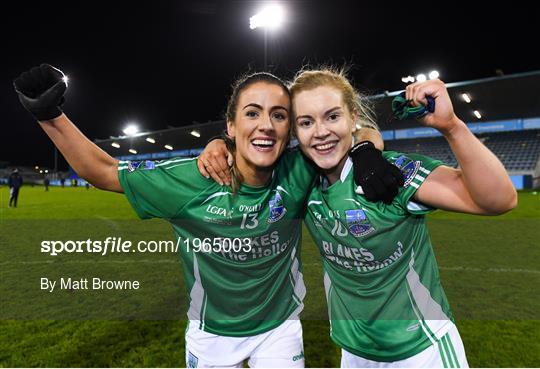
column 171, row 62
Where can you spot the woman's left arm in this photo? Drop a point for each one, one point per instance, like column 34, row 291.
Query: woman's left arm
column 481, row 184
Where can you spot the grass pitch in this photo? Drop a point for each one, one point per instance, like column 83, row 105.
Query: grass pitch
column 488, row 265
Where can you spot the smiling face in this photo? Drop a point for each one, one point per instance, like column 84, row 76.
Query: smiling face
column 260, row 129
column 324, row 127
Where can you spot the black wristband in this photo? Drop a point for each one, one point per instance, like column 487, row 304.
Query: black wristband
column 219, row 137
column 361, row 146
column 48, row 113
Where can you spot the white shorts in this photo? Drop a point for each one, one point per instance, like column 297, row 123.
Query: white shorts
column 447, row 352
column 281, row 347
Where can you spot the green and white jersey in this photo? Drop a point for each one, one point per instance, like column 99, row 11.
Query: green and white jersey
column 385, row 299
column 251, row 280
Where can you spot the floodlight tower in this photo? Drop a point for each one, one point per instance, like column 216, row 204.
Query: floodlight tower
column 131, row 129
column 269, row 18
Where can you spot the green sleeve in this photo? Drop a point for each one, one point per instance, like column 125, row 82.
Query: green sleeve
column 159, row 189
column 416, row 168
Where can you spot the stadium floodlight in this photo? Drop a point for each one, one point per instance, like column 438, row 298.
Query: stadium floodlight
column 130, row 130
column 421, row 77
column 46, row 171
column 36, row 167
column 133, row 151
column 41, row 171
column 269, row 17
column 115, row 144
column 195, row 133
column 168, row 147
column 477, row 114
column 433, row 74
column 151, row 140
column 466, row 97
column 408, row 79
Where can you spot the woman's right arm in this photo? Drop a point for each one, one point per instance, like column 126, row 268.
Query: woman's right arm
column 41, row 91
column 481, row 185
column 88, row 160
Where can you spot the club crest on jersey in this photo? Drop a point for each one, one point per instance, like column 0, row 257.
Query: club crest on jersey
column 277, row 210
column 134, row 165
column 408, row 167
column 358, row 222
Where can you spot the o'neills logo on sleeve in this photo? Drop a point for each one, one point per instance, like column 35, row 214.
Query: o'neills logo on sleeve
column 149, row 165
column 145, row 165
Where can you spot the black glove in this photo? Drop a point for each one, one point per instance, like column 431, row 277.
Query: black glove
column 380, row 180
column 41, row 91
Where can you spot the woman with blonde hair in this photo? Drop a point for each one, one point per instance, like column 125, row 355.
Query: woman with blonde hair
column 386, row 304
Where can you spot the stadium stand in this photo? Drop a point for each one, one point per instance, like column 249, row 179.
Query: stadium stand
column 509, row 126
column 519, row 151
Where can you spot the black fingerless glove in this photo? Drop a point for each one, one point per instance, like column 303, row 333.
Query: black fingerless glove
column 41, row 91
column 380, row 180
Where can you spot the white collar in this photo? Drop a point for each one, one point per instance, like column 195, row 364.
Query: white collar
column 347, row 167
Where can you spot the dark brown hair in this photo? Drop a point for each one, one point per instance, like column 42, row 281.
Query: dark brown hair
column 237, row 87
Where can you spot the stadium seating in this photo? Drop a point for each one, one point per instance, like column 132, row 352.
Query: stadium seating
column 519, row 151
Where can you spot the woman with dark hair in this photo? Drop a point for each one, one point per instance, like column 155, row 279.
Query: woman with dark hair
column 245, row 283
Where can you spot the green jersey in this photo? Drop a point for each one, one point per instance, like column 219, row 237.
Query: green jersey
column 240, row 252
column 385, row 299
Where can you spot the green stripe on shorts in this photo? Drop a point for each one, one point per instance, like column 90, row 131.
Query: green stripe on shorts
column 447, row 350
column 452, row 350
column 443, row 357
